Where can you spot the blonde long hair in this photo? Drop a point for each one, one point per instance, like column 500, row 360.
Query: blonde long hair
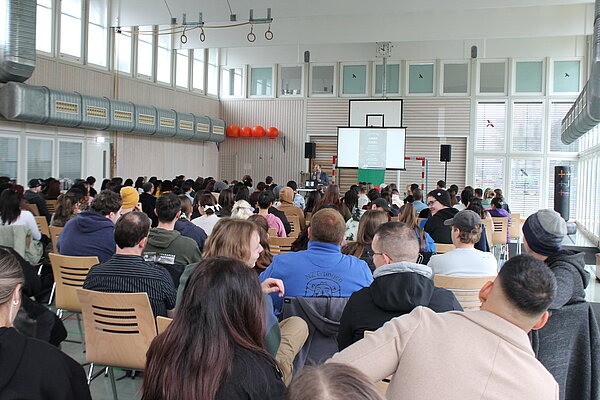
column 230, row 238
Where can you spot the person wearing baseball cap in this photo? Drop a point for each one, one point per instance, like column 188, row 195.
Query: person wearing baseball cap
column 569, row 343
column 382, row 204
column 465, row 260
column 32, row 195
column 441, row 209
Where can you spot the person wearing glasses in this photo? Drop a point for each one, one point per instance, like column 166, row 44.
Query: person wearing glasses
column 441, row 209
column 400, row 285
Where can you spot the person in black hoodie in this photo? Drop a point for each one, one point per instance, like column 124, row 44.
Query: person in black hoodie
column 400, row 285
column 441, row 209
column 30, row 368
column 568, row 345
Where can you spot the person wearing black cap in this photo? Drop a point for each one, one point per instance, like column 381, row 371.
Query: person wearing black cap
column 32, row 195
column 465, row 260
column 441, row 209
column 382, row 204
column 568, row 344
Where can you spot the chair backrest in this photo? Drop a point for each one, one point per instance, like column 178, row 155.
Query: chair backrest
column 34, row 209
column 272, row 232
column 280, row 245
column 500, row 233
column 394, row 219
column 69, row 275
column 307, row 217
column 442, row 248
column 295, row 224
column 54, row 234
column 489, row 230
column 51, row 206
column 119, row 328
column 42, row 224
column 465, row 288
column 162, row 323
column 514, row 226
column 419, row 220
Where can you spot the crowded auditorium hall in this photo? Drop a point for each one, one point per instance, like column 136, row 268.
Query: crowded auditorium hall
column 261, row 200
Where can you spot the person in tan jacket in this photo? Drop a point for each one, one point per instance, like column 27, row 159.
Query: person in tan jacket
column 483, row 354
column 286, row 196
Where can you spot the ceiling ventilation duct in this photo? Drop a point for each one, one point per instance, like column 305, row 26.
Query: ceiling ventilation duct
column 17, row 40
column 585, row 113
column 41, row 105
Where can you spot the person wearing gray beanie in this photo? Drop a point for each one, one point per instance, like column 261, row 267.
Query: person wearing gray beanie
column 568, row 344
column 220, row 185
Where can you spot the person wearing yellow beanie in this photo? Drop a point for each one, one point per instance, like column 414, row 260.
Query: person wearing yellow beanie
column 130, row 198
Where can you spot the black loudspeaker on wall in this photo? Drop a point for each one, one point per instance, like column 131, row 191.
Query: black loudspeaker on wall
column 446, row 153
column 310, row 150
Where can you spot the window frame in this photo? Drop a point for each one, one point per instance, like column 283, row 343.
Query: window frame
column 367, row 91
column 243, row 87
column 83, row 26
column 582, row 75
column 60, row 140
column 513, row 77
column 14, row 135
column 303, row 89
column 156, row 49
column 478, row 77
column 544, row 145
column 53, row 167
column 53, row 31
column 273, row 81
column 375, row 64
column 334, row 92
column 190, row 55
column 443, row 63
column 204, row 72
column 434, row 74
column 108, row 37
column 136, row 73
column 207, row 66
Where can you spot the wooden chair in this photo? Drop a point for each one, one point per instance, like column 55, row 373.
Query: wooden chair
column 307, row 218
column 272, row 232
column 119, row 328
column 42, row 224
column 34, row 209
column 489, row 230
column 465, row 288
column 441, row 248
column 281, row 245
column 500, row 236
column 514, row 229
column 295, row 224
column 54, row 234
column 394, row 219
column 51, row 206
column 162, row 323
column 69, row 274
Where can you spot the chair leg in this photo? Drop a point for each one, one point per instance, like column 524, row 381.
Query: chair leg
column 90, row 373
column 81, row 331
column 113, row 383
column 52, row 293
column 59, row 313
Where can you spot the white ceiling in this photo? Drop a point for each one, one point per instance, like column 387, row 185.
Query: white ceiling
column 357, row 21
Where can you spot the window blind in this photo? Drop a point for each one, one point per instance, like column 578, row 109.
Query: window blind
column 489, row 173
column 527, row 130
column 8, row 156
column 69, row 156
column 39, row 158
column 525, row 186
column 490, row 135
column 557, row 113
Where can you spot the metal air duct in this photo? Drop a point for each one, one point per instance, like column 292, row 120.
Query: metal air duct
column 17, row 40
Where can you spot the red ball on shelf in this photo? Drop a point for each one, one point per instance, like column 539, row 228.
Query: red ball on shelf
column 246, row 131
column 233, row 131
column 272, row 132
column 258, row 131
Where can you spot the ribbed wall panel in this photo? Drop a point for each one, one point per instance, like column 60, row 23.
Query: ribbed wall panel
column 262, row 157
column 433, row 117
column 323, row 116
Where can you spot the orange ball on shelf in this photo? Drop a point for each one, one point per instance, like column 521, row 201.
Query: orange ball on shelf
column 258, row 131
column 272, row 132
column 246, row 131
column 233, row 131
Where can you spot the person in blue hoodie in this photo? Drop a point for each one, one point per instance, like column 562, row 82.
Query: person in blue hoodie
column 92, row 232
column 321, row 270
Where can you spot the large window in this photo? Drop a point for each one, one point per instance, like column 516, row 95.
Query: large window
column 97, row 32
column 198, row 69
column 9, row 148
column 392, row 78
column 69, row 160
column 525, row 186
column 39, row 158
column 163, row 55
column 144, row 50
column 70, row 27
column 261, row 81
column 489, row 173
column 490, row 127
column 557, row 113
column 212, row 85
column 43, row 26
column 527, row 129
column 123, row 51
column 290, row 80
column 232, row 80
column 183, row 68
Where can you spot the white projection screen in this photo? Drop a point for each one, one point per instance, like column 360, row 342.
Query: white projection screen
column 371, row 148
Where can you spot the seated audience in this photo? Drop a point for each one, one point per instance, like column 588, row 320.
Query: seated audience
column 418, row 200
column 400, row 285
column 265, row 201
column 185, row 227
column 363, row 200
column 441, row 184
column 130, row 198
column 313, row 199
column 441, row 209
column 332, row 381
column 498, row 211
column 33, row 196
column 301, row 242
column 91, row 182
column 488, row 195
column 226, row 203
column 286, row 196
column 361, row 247
column 66, row 209
column 465, row 197
column 241, row 210
column 165, row 245
column 331, row 199
column 265, row 258
column 298, row 199
column 149, row 202
column 482, row 354
column 127, row 272
column 322, row 270
column 260, row 187
column 382, row 204
column 215, row 346
column 51, row 190
column 11, row 213
column 568, row 345
column 208, row 208
column 478, row 193
column 465, row 260
column 409, row 217
column 498, row 194
column 92, row 232
column 31, row 369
